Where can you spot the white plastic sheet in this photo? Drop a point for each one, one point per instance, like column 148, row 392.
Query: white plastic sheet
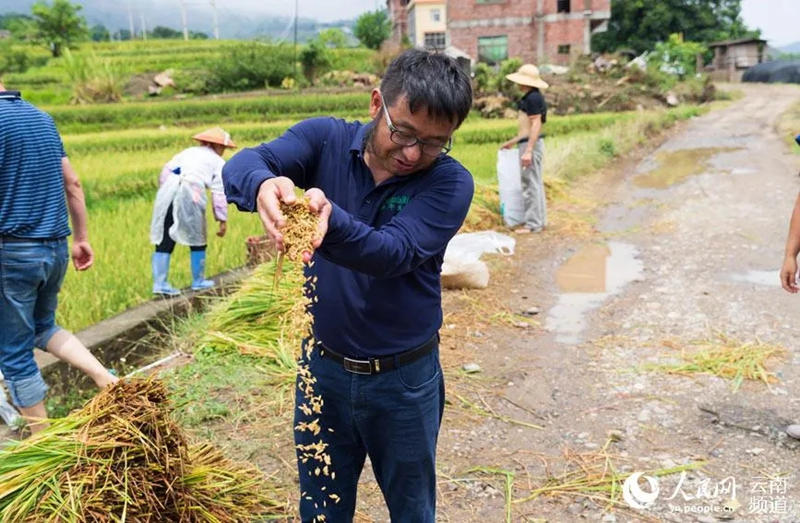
column 462, row 267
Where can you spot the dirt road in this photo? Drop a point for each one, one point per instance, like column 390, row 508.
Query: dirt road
column 688, row 244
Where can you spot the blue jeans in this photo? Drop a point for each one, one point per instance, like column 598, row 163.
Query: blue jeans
column 30, row 278
column 393, row 417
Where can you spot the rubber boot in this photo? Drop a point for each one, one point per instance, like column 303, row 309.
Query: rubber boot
column 160, row 272
column 199, row 282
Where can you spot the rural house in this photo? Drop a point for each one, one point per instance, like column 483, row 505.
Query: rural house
column 733, row 57
column 536, row 31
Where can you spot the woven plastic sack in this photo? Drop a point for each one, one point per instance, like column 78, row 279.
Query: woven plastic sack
column 509, row 183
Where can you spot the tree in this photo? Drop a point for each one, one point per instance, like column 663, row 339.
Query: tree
column 332, row 37
column 98, row 33
column 59, row 25
column 160, row 31
column 21, row 26
column 373, row 28
column 123, row 34
column 314, row 58
column 639, row 24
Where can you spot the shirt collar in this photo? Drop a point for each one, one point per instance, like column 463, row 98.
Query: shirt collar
column 10, row 95
column 357, row 145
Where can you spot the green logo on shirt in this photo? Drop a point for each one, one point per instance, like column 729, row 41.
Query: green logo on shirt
column 395, row 203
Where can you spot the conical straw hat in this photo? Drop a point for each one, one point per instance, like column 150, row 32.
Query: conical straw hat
column 529, row 75
column 216, row 135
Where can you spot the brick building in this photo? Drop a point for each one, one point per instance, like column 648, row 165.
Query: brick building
column 399, row 18
column 537, row 31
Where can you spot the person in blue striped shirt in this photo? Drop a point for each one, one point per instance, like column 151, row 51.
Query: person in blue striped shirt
column 35, row 176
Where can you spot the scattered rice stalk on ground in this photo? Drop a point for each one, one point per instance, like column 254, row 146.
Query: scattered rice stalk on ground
column 595, row 476
column 122, row 457
column 486, row 410
column 508, row 475
column 726, row 357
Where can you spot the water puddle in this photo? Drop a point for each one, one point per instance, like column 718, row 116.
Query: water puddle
column 766, row 278
column 586, row 280
column 676, row 166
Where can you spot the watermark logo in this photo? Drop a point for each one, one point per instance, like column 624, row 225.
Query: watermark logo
column 633, row 494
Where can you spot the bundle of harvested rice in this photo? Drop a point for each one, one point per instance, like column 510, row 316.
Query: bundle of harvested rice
column 264, row 318
column 120, row 458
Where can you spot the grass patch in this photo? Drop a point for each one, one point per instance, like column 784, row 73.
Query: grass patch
column 726, row 357
column 595, row 476
column 789, row 126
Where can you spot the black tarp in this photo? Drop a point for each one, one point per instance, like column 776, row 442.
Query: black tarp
column 779, row 71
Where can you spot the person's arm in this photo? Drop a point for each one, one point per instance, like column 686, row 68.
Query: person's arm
column 218, row 202
column 536, row 127
column 258, row 179
column 789, row 269
column 166, row 172
column 82, row 255
column 293, row 155
column 419, row 231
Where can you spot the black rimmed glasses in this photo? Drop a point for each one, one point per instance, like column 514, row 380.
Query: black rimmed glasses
column 408, row 140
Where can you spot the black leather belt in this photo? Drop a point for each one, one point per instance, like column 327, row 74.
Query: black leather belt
column 378, row 365
column 14, row 239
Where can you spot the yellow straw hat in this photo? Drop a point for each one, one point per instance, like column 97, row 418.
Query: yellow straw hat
column 528, row 75
column 216, row 135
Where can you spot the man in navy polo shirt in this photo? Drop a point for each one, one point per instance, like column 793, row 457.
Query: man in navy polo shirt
column 389, row 198
column 35, row 175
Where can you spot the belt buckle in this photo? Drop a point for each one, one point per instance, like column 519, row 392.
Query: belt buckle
column 357, row 366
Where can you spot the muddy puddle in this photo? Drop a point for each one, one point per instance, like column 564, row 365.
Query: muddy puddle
column 673, row 167
column 763, row 278
column 585, row 281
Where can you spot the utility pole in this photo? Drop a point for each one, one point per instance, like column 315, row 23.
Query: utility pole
column 130, row 20
column 144, row 28
column 183, row 18
column 216, row 20
column 295, row 41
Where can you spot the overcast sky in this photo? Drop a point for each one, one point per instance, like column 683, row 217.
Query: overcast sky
column 322, row 10
column 779, row 20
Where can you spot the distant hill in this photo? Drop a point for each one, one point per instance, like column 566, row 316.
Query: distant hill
column 791, row 48
column 254, row 22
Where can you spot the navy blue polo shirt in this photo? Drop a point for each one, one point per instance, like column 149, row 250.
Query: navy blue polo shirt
column 379, row 265
column 32, row 200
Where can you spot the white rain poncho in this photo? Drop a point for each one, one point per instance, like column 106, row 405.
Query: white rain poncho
column 183, row 184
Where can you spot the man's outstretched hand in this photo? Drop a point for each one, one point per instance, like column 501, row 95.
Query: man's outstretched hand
column 318, row 204
column 281, row 189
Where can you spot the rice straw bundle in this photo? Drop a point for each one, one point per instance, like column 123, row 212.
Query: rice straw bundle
column 263, row 318
column 119, row 458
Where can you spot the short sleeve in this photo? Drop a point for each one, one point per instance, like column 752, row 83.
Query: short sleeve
column 533, row 104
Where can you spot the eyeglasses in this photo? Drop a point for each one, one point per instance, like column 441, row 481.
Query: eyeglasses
column 408, row 140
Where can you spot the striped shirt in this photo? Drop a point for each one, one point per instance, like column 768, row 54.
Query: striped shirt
column 32, row 200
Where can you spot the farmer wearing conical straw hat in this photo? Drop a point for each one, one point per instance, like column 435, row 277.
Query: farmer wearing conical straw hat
column 532, row 115
column 389, row 198
column 179, row 214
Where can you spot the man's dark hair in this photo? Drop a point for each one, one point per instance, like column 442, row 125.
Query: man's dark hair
column 431, row 81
